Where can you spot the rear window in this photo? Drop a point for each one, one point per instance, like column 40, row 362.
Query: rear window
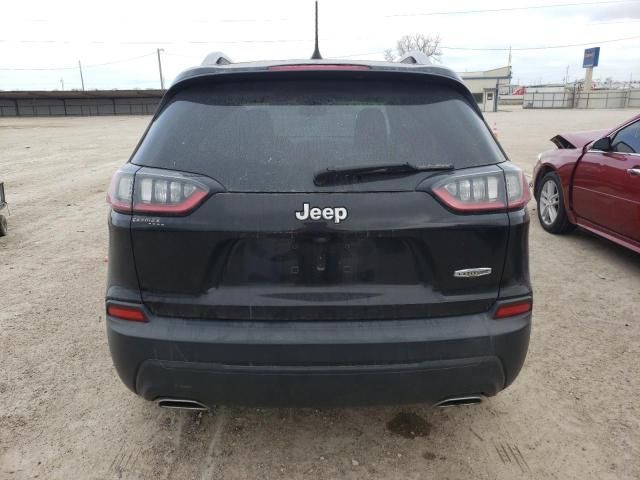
column 275, row 135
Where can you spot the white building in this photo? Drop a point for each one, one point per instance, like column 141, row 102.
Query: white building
column 485, row 86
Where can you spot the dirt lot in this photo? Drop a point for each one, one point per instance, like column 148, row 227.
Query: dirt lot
column 574, row 411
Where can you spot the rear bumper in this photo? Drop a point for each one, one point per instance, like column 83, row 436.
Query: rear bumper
column 319, row 363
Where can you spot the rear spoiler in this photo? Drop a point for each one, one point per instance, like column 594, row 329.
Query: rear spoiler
column 390, row 71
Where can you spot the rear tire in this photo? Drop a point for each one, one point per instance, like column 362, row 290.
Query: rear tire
column 552, row 212
column 4, row 229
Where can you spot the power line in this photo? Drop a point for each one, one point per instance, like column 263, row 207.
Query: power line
column 182, row 55
column 351, row 55
column 120, row 61
column 509, row 9
column 191, row 20
column 453, row 12
column 444, row 47
column 613, row 23
column 37, row 69
column 505, row 49
column 547, row 47
column 154, row 42
column 75, row 67
column 273, row 41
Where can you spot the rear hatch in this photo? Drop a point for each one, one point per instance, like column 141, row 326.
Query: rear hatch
column 267, row 242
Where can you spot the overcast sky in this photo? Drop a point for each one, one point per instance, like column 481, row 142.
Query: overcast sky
column 43, row 34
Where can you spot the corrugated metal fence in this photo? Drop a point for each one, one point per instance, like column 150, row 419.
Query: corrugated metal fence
column 29, row 104
column 577, row 99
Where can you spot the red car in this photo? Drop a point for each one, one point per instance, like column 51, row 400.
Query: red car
column 592, row 180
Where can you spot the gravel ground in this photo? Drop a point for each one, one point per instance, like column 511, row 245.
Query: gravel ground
column 572, row 413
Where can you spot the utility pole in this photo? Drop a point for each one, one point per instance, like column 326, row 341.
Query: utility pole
column 81, row 77
column 566, row 76
column 160, row 68
column 62, row 83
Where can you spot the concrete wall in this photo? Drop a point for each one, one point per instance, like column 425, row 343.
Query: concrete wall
column 606, row 98
column 593, row 99
column 552, row 88
column 23, row 105
column 510, row 99
column 558, row 99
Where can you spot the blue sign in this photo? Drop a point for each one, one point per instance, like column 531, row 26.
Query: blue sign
column 591, row 57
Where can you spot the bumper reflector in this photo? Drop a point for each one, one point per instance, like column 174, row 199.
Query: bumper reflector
column 131, row 314
column 513, row 309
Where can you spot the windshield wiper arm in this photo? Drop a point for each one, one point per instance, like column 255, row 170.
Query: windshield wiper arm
column 330, row 175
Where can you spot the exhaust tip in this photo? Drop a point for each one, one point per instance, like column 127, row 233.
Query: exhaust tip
column 181, row 404
column 459, row 401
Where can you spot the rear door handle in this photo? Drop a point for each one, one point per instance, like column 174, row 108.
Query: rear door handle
column 635, row 171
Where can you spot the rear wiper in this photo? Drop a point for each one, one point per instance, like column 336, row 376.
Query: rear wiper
column 331, row 175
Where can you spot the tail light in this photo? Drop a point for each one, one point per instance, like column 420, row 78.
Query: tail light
column 316, row 67
column 156, row 191
column 126, row 312
column 482, row 192
column 513, row 309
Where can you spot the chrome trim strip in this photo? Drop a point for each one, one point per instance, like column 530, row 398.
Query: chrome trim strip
column 181, row 404
column 459, row 401
column 472, row 272
column 617, row 153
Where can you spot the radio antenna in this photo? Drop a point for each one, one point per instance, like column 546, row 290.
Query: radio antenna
column 316, row 53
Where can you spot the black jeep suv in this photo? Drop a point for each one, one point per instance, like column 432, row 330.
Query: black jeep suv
column 317, row 232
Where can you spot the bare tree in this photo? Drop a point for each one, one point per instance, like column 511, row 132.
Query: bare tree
column 426, row 44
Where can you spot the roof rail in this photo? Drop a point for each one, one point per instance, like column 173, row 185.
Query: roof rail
column 415, row 57
column 216, row 58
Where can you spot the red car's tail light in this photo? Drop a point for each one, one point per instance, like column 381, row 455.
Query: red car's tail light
column 155, row 191
column 484, row 192
column 131, row 314
column 513, row 309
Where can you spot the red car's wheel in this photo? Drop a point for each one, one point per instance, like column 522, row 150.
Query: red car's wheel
column 551, row 209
